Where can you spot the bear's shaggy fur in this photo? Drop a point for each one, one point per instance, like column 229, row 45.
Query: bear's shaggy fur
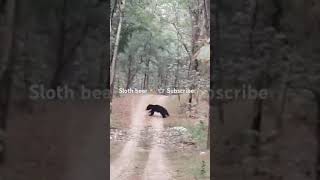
column 157, row 108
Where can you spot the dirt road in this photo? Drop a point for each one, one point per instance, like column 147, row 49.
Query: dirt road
column 156, row 167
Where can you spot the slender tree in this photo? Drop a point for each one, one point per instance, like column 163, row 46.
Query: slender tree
column 217, row 67
column 6, row 79
column 116, row 46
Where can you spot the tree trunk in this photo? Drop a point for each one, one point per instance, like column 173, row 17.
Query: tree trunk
column 176, row 80
column 276, row 16
column 206, row 10
column 9, row 59
column 118, row 87
column 253, row 24
column 103, row 73
column 144, row 80
column 195, row 22
column 165, row 81
column 160, row 77
column 208, row 136
column 208, row 14
column 141, row 83
column 113, row 12
column 64, row 57
column 6, row 81
column 115, row 49
column 185, row 47
column 283, row 96
column 260, row 83
column 218, row 67
column 60, row 46
column 256, row 122
column 279, row 122
column 256, row 127
column 7, row 35
column 317, row 97
column 146, row 75
column 129, row 76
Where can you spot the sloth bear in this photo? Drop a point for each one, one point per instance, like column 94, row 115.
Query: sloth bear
column 157, row 108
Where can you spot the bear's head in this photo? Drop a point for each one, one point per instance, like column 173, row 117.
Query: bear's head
column 149, row 107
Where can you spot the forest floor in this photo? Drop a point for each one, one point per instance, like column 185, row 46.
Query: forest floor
column 151, row 148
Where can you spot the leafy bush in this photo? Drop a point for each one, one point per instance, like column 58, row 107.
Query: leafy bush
column 199, row 133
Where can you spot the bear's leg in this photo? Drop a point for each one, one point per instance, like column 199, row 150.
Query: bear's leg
column 151, row 113
column 163, row 115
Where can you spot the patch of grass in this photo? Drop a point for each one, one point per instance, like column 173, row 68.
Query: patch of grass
column 199, row 169
column 199, row 133
column 190, row 165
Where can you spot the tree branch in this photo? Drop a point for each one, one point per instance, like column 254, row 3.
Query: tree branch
column 184, row 44
column 83, row 35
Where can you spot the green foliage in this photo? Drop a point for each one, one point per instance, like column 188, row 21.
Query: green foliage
column 156, row 35
column 126, row 35
column 199, row 169
column 199, row 133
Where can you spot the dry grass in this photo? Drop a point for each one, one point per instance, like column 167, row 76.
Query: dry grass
column 121, row 111
column 190, row 165
column 179, row 114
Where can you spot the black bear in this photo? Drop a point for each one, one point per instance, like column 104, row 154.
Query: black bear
column 157, row 108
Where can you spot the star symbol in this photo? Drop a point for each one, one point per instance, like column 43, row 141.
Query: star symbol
column 161, row 90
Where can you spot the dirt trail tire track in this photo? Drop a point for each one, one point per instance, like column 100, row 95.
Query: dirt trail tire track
column 125, row 162
column 157, row 165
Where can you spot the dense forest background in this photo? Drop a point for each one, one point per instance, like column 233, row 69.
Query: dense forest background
column 160, row 44
column 271, row 45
